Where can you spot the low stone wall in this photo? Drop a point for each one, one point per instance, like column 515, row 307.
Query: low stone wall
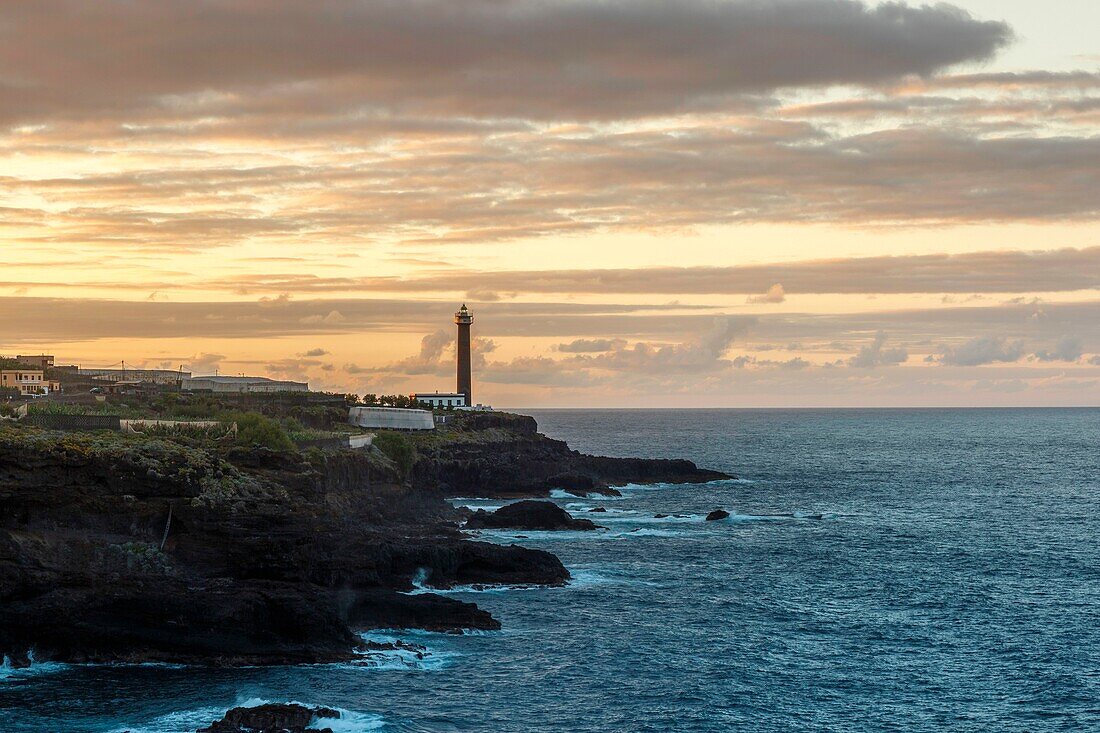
column 342, row 442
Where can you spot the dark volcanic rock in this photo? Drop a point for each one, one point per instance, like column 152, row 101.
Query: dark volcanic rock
column 502, row 455
column 122, row 548
column 270, row 558
column 575, row 483
column 543, row 515
column 718, row 514
column 273, row 718
column 390, row 610
column 598, row 509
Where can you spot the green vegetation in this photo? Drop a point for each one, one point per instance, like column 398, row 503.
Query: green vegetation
column 275, row 421
column 142, row 557
column 196, row 434
column 392, row 400
column 98, row 408
column 142, row 459
column 255, row 429
column 398, row 448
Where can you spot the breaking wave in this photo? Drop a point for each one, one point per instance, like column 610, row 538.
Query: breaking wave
column 187, row 721
column 8, row 670
column 399, row 654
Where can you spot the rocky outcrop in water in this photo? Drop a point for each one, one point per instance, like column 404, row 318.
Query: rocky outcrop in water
column 274, row 718
column 531, row 515
column 503, row 455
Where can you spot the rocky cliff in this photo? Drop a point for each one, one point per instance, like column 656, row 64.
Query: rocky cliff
column 266, row 557
column 500, row 454
column 128, row 548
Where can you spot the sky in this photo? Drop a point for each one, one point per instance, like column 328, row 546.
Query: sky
column 707, row 203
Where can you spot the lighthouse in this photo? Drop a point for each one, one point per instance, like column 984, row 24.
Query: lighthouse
column 463, row 318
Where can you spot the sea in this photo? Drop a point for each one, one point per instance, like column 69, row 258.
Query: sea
column 881, row 570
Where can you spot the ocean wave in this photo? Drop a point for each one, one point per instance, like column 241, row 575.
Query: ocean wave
column 635, row 518
column 777, row 517
column 473, row 507
column 593, row 495
column 8, row 670
column 587, row 508
column 402, row 655
column 645, row 532
column 582, row 578
column 187, row 721
column 513, row 536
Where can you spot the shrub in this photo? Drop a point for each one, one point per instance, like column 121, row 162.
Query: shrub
column 397, row 448
column 255, row 429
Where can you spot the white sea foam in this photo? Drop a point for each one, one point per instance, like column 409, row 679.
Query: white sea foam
column 645, row 532
column 513, row 536
column 634, row 518
column 591, row 495
column 421, row 587
column 578, row 509
column 474, row 507
column 187, row 721
column 181, row 721
column 8, row 670
column 405, row 656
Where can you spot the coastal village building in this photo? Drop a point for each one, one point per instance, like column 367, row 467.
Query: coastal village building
column 29, row 382
column 241, row 385
column 156, row 376
column 441, row 399
column 41, row 361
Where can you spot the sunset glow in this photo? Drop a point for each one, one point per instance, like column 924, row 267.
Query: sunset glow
column 793, row 203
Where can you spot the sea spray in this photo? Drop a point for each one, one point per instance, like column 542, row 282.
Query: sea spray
column 188, row 721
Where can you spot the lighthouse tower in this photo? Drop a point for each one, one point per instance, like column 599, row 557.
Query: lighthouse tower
column 465, row 379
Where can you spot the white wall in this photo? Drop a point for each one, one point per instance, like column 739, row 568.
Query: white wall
column 392, row 418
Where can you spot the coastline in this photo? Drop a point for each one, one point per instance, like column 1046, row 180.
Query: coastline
column 138, row 550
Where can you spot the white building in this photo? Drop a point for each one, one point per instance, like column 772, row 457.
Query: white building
column 441, row 399
column 391, row 418
column 242, row 385
column 157, row 376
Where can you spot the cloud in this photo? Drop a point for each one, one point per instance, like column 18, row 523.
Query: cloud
column 775, row 294
column 983, row 350
column 1056, row 270
column 205, row 363
column 703, row 353
column 483, row 296
column 500, row 58
column 492, row 120
column 314, row 353
column 591, row 346
column 1068, row 348
column 875, row 354
column 429, row 360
